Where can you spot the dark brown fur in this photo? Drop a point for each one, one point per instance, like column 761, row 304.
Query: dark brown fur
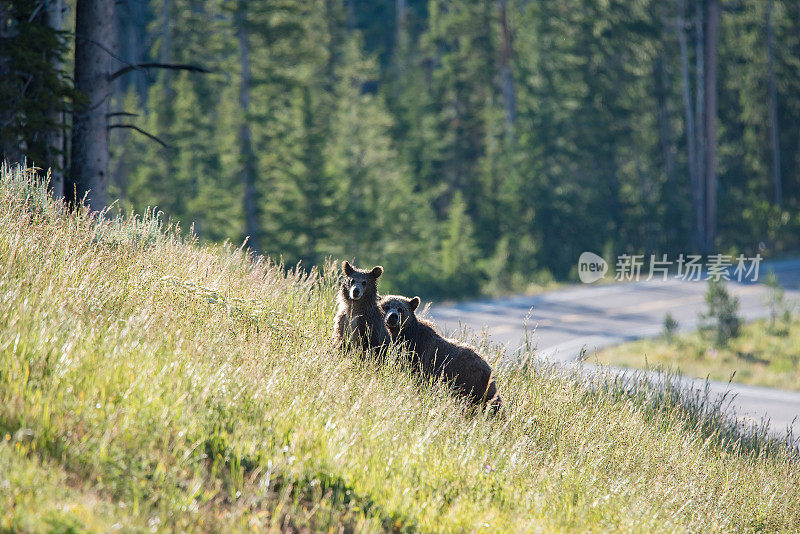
column 455, row 362
column 359, row 321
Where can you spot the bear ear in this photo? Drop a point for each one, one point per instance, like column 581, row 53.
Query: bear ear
column 376, row 272
column 414, row 303
column 347, row 268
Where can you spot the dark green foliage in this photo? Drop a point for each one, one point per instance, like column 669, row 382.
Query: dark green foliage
column 722, row 317
column 379, row 133
column 32, row 90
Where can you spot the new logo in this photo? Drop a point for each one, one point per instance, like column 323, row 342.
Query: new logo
column 591, row 267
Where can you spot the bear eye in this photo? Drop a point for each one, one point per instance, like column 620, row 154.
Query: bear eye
column 363, row 283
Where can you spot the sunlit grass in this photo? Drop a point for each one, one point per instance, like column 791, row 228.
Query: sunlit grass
column 761, row 355
column 152, row 383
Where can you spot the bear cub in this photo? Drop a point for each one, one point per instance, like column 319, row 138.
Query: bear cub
column 359, row 320
column 457, row 363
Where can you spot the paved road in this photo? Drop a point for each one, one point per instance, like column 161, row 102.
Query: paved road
column 565, row 321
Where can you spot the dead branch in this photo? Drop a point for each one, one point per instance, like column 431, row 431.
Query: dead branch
column 144, row 133
column 143, row 66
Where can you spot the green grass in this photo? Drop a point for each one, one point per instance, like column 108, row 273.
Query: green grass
column 148, row 382
column 761, row 355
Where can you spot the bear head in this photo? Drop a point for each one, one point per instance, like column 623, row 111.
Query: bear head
column 399, row 312
column 359, row 284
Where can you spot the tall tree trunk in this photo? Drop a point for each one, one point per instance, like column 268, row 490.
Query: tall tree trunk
column 137, row 46
column 54, row 17
column 401, row 38
column 94, row 38
column 669, row 188
column 351, row 15
column 773, row 110
column 698, row 216
column 711, row 35
column 509, row 96
column 699, row 111
column 313, row 135
column 165, row 56
column 245, row 136
column 8, row 144
column 661, row 78
column 401, row 8
column 165, row 51
column 333, row 15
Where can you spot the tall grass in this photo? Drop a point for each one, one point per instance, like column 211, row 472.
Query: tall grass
column 151, row 382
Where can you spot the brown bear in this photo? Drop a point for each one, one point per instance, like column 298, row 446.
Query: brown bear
column 456, row 362
column 359, row 320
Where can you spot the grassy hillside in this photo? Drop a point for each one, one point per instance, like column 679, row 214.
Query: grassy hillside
column 148, row 382
column 760, row 355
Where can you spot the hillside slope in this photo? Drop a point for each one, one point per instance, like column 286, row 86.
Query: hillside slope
column 150, row 382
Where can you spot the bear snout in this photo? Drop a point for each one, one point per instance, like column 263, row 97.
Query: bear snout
column 392, row 318
column 355, row 292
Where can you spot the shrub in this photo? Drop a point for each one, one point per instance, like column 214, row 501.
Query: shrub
column 670, row 327
column 722, row 316
column 779, row 308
